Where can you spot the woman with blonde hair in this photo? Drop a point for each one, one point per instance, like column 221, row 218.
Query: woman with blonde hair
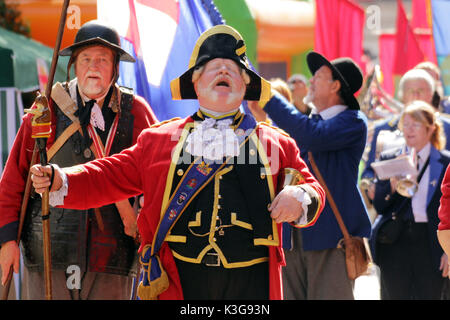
column 411, row 261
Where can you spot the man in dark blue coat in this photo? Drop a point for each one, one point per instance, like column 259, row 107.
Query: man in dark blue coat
column 335, row 134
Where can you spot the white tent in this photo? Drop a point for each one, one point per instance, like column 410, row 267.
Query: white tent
column 11, row 112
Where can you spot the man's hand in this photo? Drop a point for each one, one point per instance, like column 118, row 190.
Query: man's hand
column 259, row 114
column 285, row 208
column 9, row 256
column 444, row 266
column 128, row 216
column 41, row 181
column 394, row 183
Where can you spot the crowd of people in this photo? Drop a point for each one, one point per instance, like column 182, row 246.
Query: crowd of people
column 231, row 208
column 409, row 255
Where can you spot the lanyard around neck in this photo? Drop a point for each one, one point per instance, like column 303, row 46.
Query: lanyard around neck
column 419, row 177
column 103, row 151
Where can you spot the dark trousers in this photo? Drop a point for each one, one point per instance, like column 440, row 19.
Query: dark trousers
column 201, row 282
column 406, row 266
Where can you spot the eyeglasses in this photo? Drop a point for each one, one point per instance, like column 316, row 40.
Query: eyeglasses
column 412, row 125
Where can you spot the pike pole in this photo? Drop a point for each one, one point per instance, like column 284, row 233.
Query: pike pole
column 41, row 131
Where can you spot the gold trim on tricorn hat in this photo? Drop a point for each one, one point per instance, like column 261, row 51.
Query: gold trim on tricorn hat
column 221, row 41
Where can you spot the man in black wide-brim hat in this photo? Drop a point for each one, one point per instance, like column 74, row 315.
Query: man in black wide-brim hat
column 211, row 222
column 335, row 134
column 93, row 251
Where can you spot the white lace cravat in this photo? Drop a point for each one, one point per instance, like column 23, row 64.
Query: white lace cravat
column 97, row 119
column 213, row 139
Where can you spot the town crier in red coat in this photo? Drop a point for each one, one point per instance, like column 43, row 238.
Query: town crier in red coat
column 217, row 185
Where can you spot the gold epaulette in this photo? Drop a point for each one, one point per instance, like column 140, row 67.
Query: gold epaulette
column 276, row 128
column 157, row 125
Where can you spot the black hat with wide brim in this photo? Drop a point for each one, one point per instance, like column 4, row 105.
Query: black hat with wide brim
column 345, row 70
column 95, row 32
column 220, row 41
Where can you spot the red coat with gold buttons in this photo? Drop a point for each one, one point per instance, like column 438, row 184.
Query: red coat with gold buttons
column 147, row 168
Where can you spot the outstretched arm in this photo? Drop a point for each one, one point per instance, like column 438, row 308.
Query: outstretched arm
column 95, row 183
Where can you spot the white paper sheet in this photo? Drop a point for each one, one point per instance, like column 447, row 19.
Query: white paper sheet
column 400, row 166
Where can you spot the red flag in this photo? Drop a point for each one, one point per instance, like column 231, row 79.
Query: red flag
column 421, row 14
column 421, row 23
column 339, row 29
column 386, row 43
column 407, row 50
column 426, row 43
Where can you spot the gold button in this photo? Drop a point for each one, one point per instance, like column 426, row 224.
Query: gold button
column 219, row 196
column 180, row 172
column 219, row 207
column 252, row 152
column 263, row 175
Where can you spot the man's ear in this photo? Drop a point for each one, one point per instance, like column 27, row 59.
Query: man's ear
column 194, row 83
column 336, row 86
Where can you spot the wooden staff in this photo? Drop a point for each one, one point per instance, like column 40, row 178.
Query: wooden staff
column 41, row 130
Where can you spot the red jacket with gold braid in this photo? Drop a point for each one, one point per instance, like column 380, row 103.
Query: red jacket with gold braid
column 147, row 168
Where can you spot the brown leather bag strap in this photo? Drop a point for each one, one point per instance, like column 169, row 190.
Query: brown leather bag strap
column 67, row 133
column 329, row 196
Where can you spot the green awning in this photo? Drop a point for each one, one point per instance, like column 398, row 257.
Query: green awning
column 18, row 64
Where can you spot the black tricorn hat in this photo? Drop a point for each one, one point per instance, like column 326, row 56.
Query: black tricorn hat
column 345, row 70
column 220, row 41
column 95, row 32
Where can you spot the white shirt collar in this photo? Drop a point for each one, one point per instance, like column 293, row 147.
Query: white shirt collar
column 424, row 153
column 330, row 112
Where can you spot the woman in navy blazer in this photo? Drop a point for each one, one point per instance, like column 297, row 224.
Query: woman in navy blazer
column 413, row 265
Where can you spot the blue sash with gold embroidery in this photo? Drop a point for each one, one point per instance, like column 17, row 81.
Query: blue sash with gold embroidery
column 153, row 279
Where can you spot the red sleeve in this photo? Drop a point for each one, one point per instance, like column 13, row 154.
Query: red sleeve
column 308, row 181
column 14, row 176
column 107, row 180
column 12, row 182
column 143, row 114
column 444, row 209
